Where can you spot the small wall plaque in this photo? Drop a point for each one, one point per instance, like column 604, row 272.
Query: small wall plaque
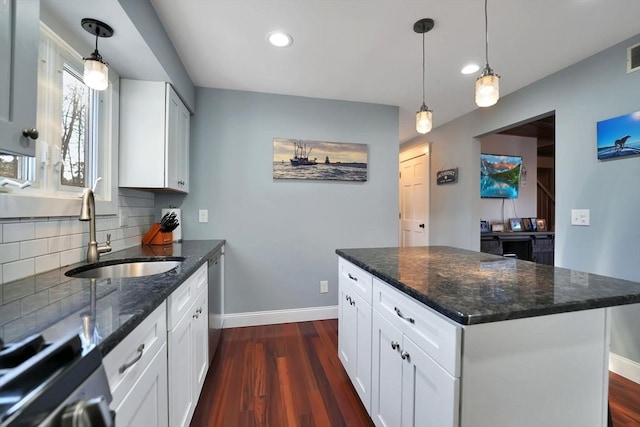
column 447, row 176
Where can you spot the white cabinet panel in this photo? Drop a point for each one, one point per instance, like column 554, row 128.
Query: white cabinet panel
column 430, row 395
column 386, row 400
column 146, row 402
column 188, row 346
column 19, row 21
column 354, row 335
column 137, row 373
column 154, row 137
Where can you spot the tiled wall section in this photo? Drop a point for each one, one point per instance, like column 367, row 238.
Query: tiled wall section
column 31, row 246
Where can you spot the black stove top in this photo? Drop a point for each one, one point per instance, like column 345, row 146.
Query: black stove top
column 36, row 377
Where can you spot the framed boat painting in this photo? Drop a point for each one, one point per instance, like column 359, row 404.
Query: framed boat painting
column 619, row 137
column 319, row 160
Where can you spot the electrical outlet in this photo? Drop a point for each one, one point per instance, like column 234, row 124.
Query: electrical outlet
column 580, row 217
column 324, row 286
column 203, row 215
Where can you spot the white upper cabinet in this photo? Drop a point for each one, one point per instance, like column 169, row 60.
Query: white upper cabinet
column 154, row 137
column 18, row 75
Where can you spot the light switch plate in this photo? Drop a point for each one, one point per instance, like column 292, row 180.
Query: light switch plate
column 580, row 217
column 203, row 215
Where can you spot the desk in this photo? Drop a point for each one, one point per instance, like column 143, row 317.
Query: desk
column 536, row 246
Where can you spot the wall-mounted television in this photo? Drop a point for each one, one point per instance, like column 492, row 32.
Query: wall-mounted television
column 499, row 176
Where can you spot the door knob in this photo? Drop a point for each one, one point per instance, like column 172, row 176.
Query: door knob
column 421, row 226
column 30, row 133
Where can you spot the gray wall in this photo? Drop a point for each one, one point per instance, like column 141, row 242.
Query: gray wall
column 282, row 234
column 145, row 18
column 581, row 95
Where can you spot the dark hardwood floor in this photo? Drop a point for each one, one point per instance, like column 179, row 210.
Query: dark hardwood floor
column 290, row 375
column 624, row 401
column 279, row 375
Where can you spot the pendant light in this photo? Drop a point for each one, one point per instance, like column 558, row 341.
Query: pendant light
column 424, row 116
column 488, row 83
column 96, row 71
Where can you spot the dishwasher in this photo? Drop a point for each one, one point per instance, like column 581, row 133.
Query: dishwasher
column 216, row 298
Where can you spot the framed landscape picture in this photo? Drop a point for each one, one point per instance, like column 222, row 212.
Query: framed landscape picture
column 319, row 160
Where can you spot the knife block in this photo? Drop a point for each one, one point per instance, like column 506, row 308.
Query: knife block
column 155, row 236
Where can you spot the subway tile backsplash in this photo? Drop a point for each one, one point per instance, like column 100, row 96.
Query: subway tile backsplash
column 31, row 246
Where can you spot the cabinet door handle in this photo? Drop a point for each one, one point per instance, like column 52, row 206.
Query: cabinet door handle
column 355, row 279
column 408, row 319
column 405, row 356
column 30, row 133
column 395, row 345
column 127, row 365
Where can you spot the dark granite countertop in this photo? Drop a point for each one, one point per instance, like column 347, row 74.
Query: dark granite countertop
column 103, row 312
column 474, row 287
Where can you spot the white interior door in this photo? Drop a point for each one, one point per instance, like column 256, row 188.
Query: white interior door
column 414, row 197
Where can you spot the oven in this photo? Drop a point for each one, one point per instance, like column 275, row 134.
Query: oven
column 53, row 384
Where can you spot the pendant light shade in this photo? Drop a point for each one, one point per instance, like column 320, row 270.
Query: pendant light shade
column 424, row 116
column 96, row 74
column 487, row 88
column 488, row 83
column 424, row 120
column 96, row 71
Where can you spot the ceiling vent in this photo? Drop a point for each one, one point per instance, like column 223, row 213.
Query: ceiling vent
column 633, row 58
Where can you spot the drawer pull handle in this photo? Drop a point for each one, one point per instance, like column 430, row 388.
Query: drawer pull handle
column 134, row 361
column 405, row 356
column 352, row 278
column 399, row 313
column 395, row 345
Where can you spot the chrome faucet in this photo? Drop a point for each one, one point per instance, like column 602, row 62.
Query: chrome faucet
column 88, row 213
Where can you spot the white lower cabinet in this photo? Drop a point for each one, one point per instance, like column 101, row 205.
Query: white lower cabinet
column 409, row 388
column 188, row 347
column 146, row 403
column 137, row 374
column 354, row 329
column 402, row 359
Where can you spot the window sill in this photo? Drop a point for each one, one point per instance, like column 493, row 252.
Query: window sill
column 21, row 206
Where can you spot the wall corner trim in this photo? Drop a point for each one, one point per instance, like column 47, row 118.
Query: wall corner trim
column 272, row 317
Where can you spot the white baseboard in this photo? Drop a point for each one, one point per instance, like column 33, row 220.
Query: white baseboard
column 257, row 318
column 624, row 367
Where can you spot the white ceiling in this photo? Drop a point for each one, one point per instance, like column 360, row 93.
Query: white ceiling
column 362, row 50
column 367, row 51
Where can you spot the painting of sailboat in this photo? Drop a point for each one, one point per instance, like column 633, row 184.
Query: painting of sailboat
column 319, row 160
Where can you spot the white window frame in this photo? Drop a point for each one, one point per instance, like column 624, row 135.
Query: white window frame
column 47, row 197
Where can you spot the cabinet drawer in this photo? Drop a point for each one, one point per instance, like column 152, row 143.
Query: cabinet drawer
column 152, row 333
column 181, row 300
column 438, row 337
column 356, row 278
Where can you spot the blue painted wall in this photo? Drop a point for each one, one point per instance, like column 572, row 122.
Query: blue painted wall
column 282, row 234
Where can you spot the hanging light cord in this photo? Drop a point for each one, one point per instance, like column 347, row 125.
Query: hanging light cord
column 423, row 69
column 486, row 33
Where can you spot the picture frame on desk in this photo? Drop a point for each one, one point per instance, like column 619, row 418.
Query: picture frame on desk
column 534, row 227
column 497, row 228
column 484, row 227
column 515, row 224
column 526, row 224
column 541, row 224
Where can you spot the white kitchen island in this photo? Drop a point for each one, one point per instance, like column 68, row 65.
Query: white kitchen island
column 438, row 336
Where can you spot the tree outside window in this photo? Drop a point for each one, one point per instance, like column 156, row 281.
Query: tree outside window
column 75, row 115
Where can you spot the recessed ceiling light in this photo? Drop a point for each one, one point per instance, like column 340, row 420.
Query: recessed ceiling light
column 470, row 69
column 279, row 39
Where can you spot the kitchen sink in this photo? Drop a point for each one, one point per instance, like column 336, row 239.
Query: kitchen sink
column 125, row 268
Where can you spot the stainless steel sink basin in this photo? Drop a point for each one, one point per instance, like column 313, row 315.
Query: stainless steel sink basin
column 125, row 268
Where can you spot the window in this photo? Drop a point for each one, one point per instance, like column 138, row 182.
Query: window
column 76, row 127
